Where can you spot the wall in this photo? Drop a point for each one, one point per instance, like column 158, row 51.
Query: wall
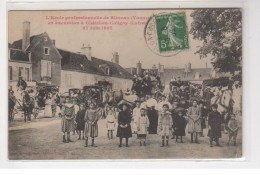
column 15, row 68
column 38, row 54
column 74, row 79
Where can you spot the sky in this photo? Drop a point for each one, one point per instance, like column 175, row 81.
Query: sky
column 127, row 40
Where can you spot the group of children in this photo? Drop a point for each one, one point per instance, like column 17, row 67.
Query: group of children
column 169, row 122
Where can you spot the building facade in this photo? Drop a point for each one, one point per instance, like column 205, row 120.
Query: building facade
column 19, row 65
column 82, row 69
column 36, row 59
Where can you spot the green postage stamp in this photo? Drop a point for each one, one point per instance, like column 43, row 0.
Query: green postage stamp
column 172, row 32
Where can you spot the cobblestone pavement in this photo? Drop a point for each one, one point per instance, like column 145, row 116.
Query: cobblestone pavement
column 41, row 139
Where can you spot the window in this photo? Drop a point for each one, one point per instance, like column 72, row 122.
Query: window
column 20, row 72
column 46, row 50
column 197, row 75
column 27, row 74
column 10, row 73
column 107, row 71
column 45, row 38
column 46, row 68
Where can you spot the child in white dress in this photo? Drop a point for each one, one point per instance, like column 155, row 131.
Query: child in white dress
column 142, row 126
column 110, row 122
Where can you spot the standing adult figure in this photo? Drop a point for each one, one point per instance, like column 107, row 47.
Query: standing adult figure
column 11, row 104
column 152, row 113
column 194, row 123
column 48, row 106
column 124, row 121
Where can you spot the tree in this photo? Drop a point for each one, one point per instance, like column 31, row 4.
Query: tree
column 221, row 33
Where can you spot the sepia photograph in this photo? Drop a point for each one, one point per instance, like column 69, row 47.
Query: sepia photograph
column 125, row 84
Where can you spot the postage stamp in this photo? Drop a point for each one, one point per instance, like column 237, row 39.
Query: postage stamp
column 172, row 32
column 166, row 34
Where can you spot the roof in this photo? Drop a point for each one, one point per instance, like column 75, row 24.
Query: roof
column 18, row 44
column 190, row 76
column 19, row 55
column 79, row 62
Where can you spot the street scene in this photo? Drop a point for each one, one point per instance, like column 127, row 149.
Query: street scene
column 176, row 93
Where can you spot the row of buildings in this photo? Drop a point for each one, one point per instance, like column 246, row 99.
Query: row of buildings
column 37, row 60
column 167, row 74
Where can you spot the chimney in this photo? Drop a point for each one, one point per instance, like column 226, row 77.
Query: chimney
column 53, row 42
column 86, row 50
column 160, row 68
column 115, row 58
column 26, row 35
column 139, row 68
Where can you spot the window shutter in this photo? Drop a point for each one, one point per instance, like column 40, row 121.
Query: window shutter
column 49, row 69
column 43, row 68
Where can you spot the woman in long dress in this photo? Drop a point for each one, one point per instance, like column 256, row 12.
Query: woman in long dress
column 68, row 115
column 48, row 108
column 124, row 127
column 194, row 123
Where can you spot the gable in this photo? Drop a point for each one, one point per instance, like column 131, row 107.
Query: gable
column 36, row 41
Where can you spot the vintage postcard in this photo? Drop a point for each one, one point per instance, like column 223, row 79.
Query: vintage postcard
column 125, row 84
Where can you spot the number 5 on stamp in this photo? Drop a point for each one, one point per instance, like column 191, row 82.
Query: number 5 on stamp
column 171, row 32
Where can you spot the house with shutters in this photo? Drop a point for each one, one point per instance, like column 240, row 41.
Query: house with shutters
column 40, row 52
column 37, row 60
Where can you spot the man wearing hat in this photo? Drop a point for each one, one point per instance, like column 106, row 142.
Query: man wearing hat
column 11, row 104
column 21, row 84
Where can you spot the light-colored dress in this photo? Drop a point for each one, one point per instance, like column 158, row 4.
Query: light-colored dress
column 111, row 122
column 91, row 126
column 165, row 123
column 136, row 114
column 142, row 125
column 194, row 123
column 48, row 109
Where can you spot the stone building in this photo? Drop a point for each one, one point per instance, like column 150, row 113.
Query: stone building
column 37, row 60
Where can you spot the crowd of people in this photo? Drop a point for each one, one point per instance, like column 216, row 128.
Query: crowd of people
column 151, row 114
column 147, row 116
column 147, row 83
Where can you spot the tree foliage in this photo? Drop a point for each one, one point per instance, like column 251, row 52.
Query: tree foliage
column 221, row 33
